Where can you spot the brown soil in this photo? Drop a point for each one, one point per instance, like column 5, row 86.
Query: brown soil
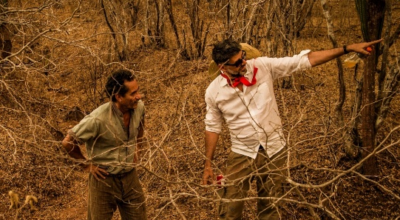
column 37, row 109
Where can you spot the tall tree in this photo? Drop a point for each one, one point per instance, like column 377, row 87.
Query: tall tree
column 371, row 13
column 169, row 8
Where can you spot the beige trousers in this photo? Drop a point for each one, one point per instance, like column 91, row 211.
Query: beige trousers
column 241, row 170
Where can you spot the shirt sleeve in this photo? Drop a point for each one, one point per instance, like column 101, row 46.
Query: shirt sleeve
column 86, row 129
column 214, row 117
column 286, row 66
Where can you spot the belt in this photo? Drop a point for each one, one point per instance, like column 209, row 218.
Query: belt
column 120, row 175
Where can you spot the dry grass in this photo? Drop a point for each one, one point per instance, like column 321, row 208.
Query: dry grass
column 34, row 107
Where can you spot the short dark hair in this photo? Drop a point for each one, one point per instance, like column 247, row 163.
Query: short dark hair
column 224, row 50
column 115, row 83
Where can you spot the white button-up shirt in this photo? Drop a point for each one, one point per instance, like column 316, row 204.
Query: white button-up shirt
column 252, row 115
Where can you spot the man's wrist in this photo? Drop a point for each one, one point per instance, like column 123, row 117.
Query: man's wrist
column 345, row 49
column 207, row 167
column 83, row 165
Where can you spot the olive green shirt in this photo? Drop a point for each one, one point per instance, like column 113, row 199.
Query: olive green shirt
column 108, row 142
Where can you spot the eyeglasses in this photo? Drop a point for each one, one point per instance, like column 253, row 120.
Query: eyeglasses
column 239, row 61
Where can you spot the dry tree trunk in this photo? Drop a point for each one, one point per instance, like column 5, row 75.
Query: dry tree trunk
column 371, row 14
column 122, row 55
column 305, row 8
column 289, row 18
column 288, row 15
column 197, row 29
column 184, row 52
column 155, row 32
column 355, row 111
column 385, row 54
column 350, row 149
column 134, row 11
column 388, row 82
column 272, row 50
column 240, row 17
column 173, row 23
column 121, row 17
column 160, row 30
column 368, row 117
column 228, row 20
column 247, row 30
column 389, row 90
column 282, row 20
column 147, row 33
column 257, row 33
column 282, row 17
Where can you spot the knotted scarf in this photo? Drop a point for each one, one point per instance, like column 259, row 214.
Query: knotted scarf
column 241, row 79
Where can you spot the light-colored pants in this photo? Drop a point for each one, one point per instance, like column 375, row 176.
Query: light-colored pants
column 123, row 191
column 241, row 170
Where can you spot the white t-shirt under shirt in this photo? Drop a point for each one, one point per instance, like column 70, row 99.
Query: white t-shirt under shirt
column 252, row 115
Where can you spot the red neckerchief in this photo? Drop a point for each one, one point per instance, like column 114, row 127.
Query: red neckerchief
column 241, row 79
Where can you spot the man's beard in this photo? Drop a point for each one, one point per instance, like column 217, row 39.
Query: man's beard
column 235, row 74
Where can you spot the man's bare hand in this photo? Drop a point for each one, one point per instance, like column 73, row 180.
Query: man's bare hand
column 208, row 176
column 363, row 48
column 96, row 171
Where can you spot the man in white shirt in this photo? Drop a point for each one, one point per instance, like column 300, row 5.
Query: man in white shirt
column 243, row 96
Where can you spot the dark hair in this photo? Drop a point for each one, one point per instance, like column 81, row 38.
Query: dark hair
column 224, row 50
column 115, row 83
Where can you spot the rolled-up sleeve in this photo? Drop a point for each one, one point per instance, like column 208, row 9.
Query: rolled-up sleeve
column 86, row 129
column 214, row 117
column 286, row 66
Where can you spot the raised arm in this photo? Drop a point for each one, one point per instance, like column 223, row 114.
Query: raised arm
column 319, row 57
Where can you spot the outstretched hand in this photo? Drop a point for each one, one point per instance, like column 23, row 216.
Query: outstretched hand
column 363, row 48
column 96, row 171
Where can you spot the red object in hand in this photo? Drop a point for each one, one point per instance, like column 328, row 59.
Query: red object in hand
column 220, row 179
column 369, row 49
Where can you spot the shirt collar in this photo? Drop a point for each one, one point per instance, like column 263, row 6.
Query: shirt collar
column 116, row 110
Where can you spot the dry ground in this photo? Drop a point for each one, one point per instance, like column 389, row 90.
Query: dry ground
column 33, row 161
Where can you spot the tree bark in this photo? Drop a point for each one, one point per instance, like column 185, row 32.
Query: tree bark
column 173, row 24
column 351, row 150
column 122, row 56
column 228, row 22
column 371, row 14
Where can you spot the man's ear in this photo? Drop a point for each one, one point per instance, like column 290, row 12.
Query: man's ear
column 118, row 97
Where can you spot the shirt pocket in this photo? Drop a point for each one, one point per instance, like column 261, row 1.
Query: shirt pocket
column 261, row 96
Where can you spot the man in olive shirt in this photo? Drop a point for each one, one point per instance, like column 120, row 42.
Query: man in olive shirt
column 112, row 134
